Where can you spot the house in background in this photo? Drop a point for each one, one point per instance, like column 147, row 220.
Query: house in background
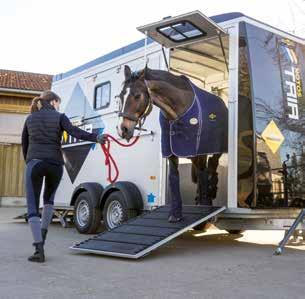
column 17, row 90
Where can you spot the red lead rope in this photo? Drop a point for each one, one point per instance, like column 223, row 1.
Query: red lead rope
column 109, row 160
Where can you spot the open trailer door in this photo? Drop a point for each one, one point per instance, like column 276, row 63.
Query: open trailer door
column 183, row 33
column 172, row 32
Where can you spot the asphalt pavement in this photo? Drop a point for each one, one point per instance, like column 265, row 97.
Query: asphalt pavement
column 195, row 265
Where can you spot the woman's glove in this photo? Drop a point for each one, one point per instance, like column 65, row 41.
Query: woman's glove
column 101, row 138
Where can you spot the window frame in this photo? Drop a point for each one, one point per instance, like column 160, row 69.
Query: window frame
column 95, row 94
column 159, row 29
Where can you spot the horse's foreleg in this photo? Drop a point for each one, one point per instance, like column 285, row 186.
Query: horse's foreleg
column 213, row 175
column 174, row 188
column 199, row 164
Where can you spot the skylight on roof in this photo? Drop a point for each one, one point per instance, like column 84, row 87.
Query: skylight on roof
column 181, row 31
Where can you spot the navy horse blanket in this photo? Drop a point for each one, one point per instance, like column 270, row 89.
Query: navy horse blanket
column 201, row 130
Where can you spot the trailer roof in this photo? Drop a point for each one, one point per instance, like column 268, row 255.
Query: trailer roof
column 140, row 43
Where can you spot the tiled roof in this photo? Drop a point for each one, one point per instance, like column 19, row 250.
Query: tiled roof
column 24, row 80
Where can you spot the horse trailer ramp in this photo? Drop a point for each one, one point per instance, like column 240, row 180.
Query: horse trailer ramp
column 145, row 233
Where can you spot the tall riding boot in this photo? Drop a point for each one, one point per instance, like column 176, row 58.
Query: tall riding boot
column 38, row 255
column 44, row 233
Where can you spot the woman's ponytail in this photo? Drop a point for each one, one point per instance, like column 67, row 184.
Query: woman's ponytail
column 44, row 100
column 35, row 104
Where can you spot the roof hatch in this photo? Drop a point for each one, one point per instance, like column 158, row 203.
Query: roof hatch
column 176, row 31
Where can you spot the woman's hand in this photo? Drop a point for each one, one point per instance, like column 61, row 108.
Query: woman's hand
column 101, row 138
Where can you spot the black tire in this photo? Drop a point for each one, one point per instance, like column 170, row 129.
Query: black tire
column 91, row 223
column 235, row 231
column 115, row 202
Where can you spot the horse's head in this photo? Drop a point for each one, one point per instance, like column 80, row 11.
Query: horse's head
column 135, row 102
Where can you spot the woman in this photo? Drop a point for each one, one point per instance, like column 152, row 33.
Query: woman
column 41, row 144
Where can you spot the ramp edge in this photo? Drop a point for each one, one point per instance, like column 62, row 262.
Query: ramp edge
column 108, row 253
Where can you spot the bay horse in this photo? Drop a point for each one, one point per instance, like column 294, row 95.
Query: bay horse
column 193, row 125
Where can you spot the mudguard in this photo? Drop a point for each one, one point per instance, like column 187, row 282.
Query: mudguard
column 130, row 191
column 94, row 189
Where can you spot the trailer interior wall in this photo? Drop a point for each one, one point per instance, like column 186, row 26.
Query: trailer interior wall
column 205, row 65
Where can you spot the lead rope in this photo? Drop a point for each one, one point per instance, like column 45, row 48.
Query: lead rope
column 109, row 160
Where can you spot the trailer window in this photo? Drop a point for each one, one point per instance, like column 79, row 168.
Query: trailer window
column 102, row 95
column 181, row 31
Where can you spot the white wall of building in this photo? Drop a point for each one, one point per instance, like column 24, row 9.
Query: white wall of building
column 11, row 125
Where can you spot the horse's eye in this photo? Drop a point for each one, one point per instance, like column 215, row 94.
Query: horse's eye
column 137, row 96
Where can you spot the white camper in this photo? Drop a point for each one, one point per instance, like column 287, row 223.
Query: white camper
column 256, row 69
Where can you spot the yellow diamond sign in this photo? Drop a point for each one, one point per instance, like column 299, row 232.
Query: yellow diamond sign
column 273, row 136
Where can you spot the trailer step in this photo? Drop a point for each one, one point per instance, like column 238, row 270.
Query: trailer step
column 145, row 233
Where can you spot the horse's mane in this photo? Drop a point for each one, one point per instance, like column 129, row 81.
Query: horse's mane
column 179, row 82
column 158, row 75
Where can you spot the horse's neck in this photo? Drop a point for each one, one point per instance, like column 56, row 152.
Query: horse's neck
column 179, row 82
column 172, row 94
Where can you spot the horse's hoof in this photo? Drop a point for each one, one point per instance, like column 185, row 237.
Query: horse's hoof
column 173, row 219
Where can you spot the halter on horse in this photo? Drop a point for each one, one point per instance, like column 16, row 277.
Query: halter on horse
column 147, row 101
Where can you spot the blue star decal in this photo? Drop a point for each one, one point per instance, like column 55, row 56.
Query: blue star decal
column 151, row 198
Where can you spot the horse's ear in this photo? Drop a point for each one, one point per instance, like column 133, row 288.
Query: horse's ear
column 127, row 72
column 143, row 73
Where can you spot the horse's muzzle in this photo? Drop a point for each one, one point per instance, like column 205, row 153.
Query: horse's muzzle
column 126, row 133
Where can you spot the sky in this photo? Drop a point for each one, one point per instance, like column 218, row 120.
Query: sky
column 54, row 36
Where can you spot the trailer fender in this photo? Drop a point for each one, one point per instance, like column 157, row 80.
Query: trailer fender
column 130, row 191
column 94, row 189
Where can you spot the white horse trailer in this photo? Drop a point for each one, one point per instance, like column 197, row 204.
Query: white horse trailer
column 256, row 69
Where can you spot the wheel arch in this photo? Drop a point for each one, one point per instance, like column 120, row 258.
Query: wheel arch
column 130, row 191
column 94, row 189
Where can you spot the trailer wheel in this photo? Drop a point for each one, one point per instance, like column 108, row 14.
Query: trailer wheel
column 87, row 218
column 115, row 210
